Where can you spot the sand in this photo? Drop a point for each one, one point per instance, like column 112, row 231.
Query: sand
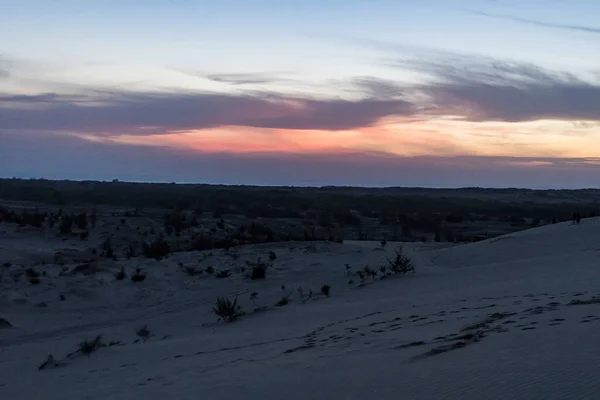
column 515, row 317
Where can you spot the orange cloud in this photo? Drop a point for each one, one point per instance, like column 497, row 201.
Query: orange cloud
column 396, row 136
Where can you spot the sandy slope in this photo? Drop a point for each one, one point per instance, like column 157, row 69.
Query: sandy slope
column 494, row 320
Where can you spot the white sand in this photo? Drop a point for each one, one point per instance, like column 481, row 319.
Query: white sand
column 526, row 342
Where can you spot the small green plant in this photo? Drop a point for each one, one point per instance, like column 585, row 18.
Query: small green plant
column 32, row 273
column 272, row 256
column 285, row 300
column 223, row 274
column 87, row 347
column 50, row 363
column 259, row 270
column 368, row 271
column 228, row 310
column 121, row 274
column 130, row 251
column 253, row 297
column 107, row 249
column 361, row 275
column 384, row 271
column 138, row 276
column 401, row 264
column 191, row 271
column 143, row 333
column 326, row 290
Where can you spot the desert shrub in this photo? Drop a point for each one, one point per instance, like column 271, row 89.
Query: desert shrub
column 81, row 220
column 259, row 271
column 49, row 363
column 223, row 274
column 401, row 264
column 253, row 297
column 32, row 273
column 138, row 276
column 66, row 225
column 383, row 243
column 272, row 256
column 192, row 271
column 368, row 271
column 35, row 281
column 326, row 289
column 210, row 270
column 285, row 300
column 130, row 251
column 87, row 347
column 158, row 249
column 107, row 249
column 143, row 333
column 121, row 274
column 228, row 310
column 93, row 218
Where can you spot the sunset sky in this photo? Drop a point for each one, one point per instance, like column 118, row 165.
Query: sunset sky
column 436, row 93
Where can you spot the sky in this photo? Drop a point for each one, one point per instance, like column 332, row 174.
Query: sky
column 430, row 93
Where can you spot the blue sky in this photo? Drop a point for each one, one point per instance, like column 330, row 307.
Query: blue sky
column 326, row 78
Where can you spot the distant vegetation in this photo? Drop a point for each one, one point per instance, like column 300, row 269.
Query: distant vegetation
column 267, row 214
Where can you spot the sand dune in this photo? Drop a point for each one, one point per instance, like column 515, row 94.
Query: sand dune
column 515, row 317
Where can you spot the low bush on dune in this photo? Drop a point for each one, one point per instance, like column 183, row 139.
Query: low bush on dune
column 138, row 276
column 107, row 249
column 326, row 290
column 228, row 310
column 259, row 270
column 143, row 333
column 87, row 347
column 192, row 271
column 32, row 273
column 285, row 300
column 66, row 225
column 401, row 263
column 121, row 274
column 223, row 274
column 158, row 249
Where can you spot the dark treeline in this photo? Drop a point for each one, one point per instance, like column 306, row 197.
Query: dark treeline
column 413, row 209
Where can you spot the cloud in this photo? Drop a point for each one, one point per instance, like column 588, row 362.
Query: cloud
column 579, row 28
column 36, row 155
column 131, row 112
column 380, row 88
column 4, row 68
column 486, row 89
column 244, row 78
column 470, row 87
